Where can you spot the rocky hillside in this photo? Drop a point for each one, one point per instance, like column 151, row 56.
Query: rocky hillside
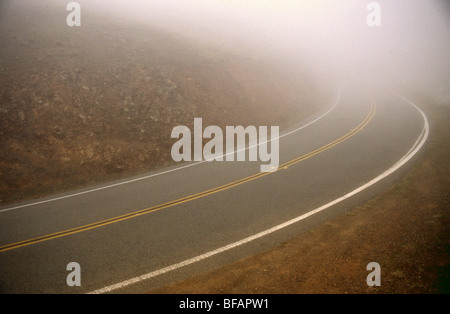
column 86, row 105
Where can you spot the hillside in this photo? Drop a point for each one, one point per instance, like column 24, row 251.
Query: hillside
column 86, row 105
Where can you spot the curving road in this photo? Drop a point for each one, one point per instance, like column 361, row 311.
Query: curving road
column 136, row 234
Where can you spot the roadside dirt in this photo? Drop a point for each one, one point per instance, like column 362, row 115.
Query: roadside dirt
column 405, row 230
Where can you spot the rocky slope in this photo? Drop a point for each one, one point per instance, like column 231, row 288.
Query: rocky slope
column 86, row 105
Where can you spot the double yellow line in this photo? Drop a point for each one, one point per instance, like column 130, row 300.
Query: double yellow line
column 190, row 197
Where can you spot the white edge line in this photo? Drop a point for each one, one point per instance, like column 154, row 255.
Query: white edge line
column 166, row 171
column 415, row 148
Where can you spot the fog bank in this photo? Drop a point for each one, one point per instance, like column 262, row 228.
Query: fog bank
column 332, row 39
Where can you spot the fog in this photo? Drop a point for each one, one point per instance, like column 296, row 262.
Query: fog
column 332, row 39
column 409, row 49
column 99, row 105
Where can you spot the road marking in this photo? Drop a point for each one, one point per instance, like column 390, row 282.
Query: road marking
column 171, row 170
column 414, row 149
column 185, row 199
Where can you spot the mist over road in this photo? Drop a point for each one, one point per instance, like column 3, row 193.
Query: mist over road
column 142, row 232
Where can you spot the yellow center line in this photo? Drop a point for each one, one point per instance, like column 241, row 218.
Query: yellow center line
column 190, row 197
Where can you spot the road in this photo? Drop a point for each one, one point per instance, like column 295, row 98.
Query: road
column 133, row 235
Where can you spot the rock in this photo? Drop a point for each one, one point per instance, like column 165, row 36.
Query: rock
column 21, row 115
column 58, row 133
column 83, row 118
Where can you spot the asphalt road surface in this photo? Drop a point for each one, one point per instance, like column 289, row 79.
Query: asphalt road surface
column 133, row 235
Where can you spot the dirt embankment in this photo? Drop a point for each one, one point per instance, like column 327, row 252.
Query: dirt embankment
column 405, row 230
column 85, row 105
